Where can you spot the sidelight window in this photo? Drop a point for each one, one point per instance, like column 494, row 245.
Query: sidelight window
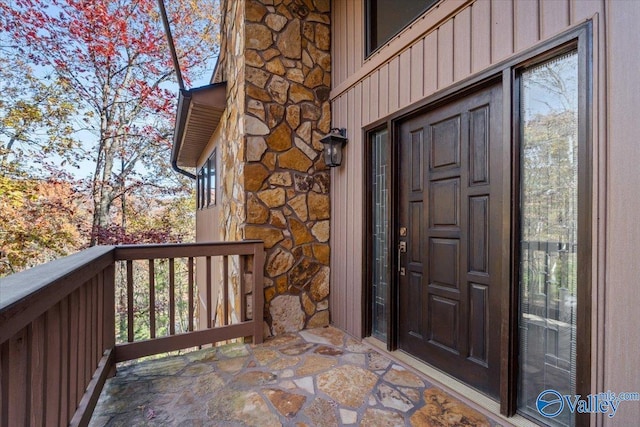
column 380, row 212
column 549, row 241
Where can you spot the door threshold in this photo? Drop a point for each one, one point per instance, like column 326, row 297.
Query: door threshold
column 459, row 390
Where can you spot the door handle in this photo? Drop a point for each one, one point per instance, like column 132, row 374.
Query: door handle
column 402, row 248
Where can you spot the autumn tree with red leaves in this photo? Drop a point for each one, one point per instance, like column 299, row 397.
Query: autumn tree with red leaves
column 113, row 57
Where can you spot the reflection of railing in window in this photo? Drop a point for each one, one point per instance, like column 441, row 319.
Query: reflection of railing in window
column 549, row 282
column 548, row 308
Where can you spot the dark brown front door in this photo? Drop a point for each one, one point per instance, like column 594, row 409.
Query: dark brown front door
column 450, row 219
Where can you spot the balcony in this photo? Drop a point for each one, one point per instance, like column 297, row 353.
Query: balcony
column 65, row 325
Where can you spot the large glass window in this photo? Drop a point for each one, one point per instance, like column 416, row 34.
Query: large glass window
column 211, row 179
column 385, row 18
column 380, row 275
column 548, row 233
column 200, row 195
column 206, row 183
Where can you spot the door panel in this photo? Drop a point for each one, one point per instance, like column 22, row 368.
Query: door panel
column 449, row 193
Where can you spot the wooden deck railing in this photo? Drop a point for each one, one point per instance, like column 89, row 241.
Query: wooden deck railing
column 58, row 325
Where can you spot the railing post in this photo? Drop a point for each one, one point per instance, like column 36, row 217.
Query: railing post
column 258, row 292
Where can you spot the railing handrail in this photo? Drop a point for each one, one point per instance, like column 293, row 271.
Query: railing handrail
column 184, row 250
column 26, row 295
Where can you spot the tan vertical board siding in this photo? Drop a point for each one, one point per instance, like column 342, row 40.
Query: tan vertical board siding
column 622, row 335
column 480, row 35
column 358, row 212
column 374, row 96
column 526, row 27
column 394, row 89
column 366, row 93
column 351, row 33
column 416, row 72
column 430, row 63
column 352, row 171
column 337, row 283
column 383, row 87
column 358, row 40
column 445, row 54
column 555, row 17
column 338, row 70
column 404, row 94
column 207, row 230
column 348, row 46
column 579, row 10
column 462, row 44
column 501, row 29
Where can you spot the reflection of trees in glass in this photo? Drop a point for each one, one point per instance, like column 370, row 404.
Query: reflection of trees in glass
column 549, row 216
column 549, row 181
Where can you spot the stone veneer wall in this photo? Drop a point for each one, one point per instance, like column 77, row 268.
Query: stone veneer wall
column 274, row 185
column 231, row 141
column 288, row 78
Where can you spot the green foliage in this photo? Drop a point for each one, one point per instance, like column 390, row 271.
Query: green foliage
column 35, row 115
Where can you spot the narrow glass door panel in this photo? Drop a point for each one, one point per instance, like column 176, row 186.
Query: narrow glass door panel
column 380, row 233
column 548, row 234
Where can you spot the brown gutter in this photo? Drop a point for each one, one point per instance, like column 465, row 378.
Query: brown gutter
column 176, row 66
column 172, row 46
column 184, row 99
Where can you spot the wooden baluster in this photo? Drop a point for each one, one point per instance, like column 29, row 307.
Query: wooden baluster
column 4, row 383
column 37, row 335
column 191, row 284
column 172, row 298
column 89, row 366
column 18, row 380
column 109, row 310
column 82, row 342
column 53, row 360
column 99, row 345
column 258, row 292
column 93, row 323
column 152, row 299
column 65, row 329
column 130, row 301
column 74, row 345
column 225, row 289
column 208, row 292
column 243, row 296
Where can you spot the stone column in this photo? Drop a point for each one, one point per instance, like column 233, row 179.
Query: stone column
column 287, row 78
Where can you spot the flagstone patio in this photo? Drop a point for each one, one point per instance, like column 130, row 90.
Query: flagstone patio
column 318, row 377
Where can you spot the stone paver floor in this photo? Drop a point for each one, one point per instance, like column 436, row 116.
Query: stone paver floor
column 318, row 377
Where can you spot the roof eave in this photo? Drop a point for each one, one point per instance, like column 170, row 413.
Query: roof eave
column 197, row 118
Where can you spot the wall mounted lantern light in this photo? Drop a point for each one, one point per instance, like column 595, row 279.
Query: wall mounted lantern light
column 333, row 143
